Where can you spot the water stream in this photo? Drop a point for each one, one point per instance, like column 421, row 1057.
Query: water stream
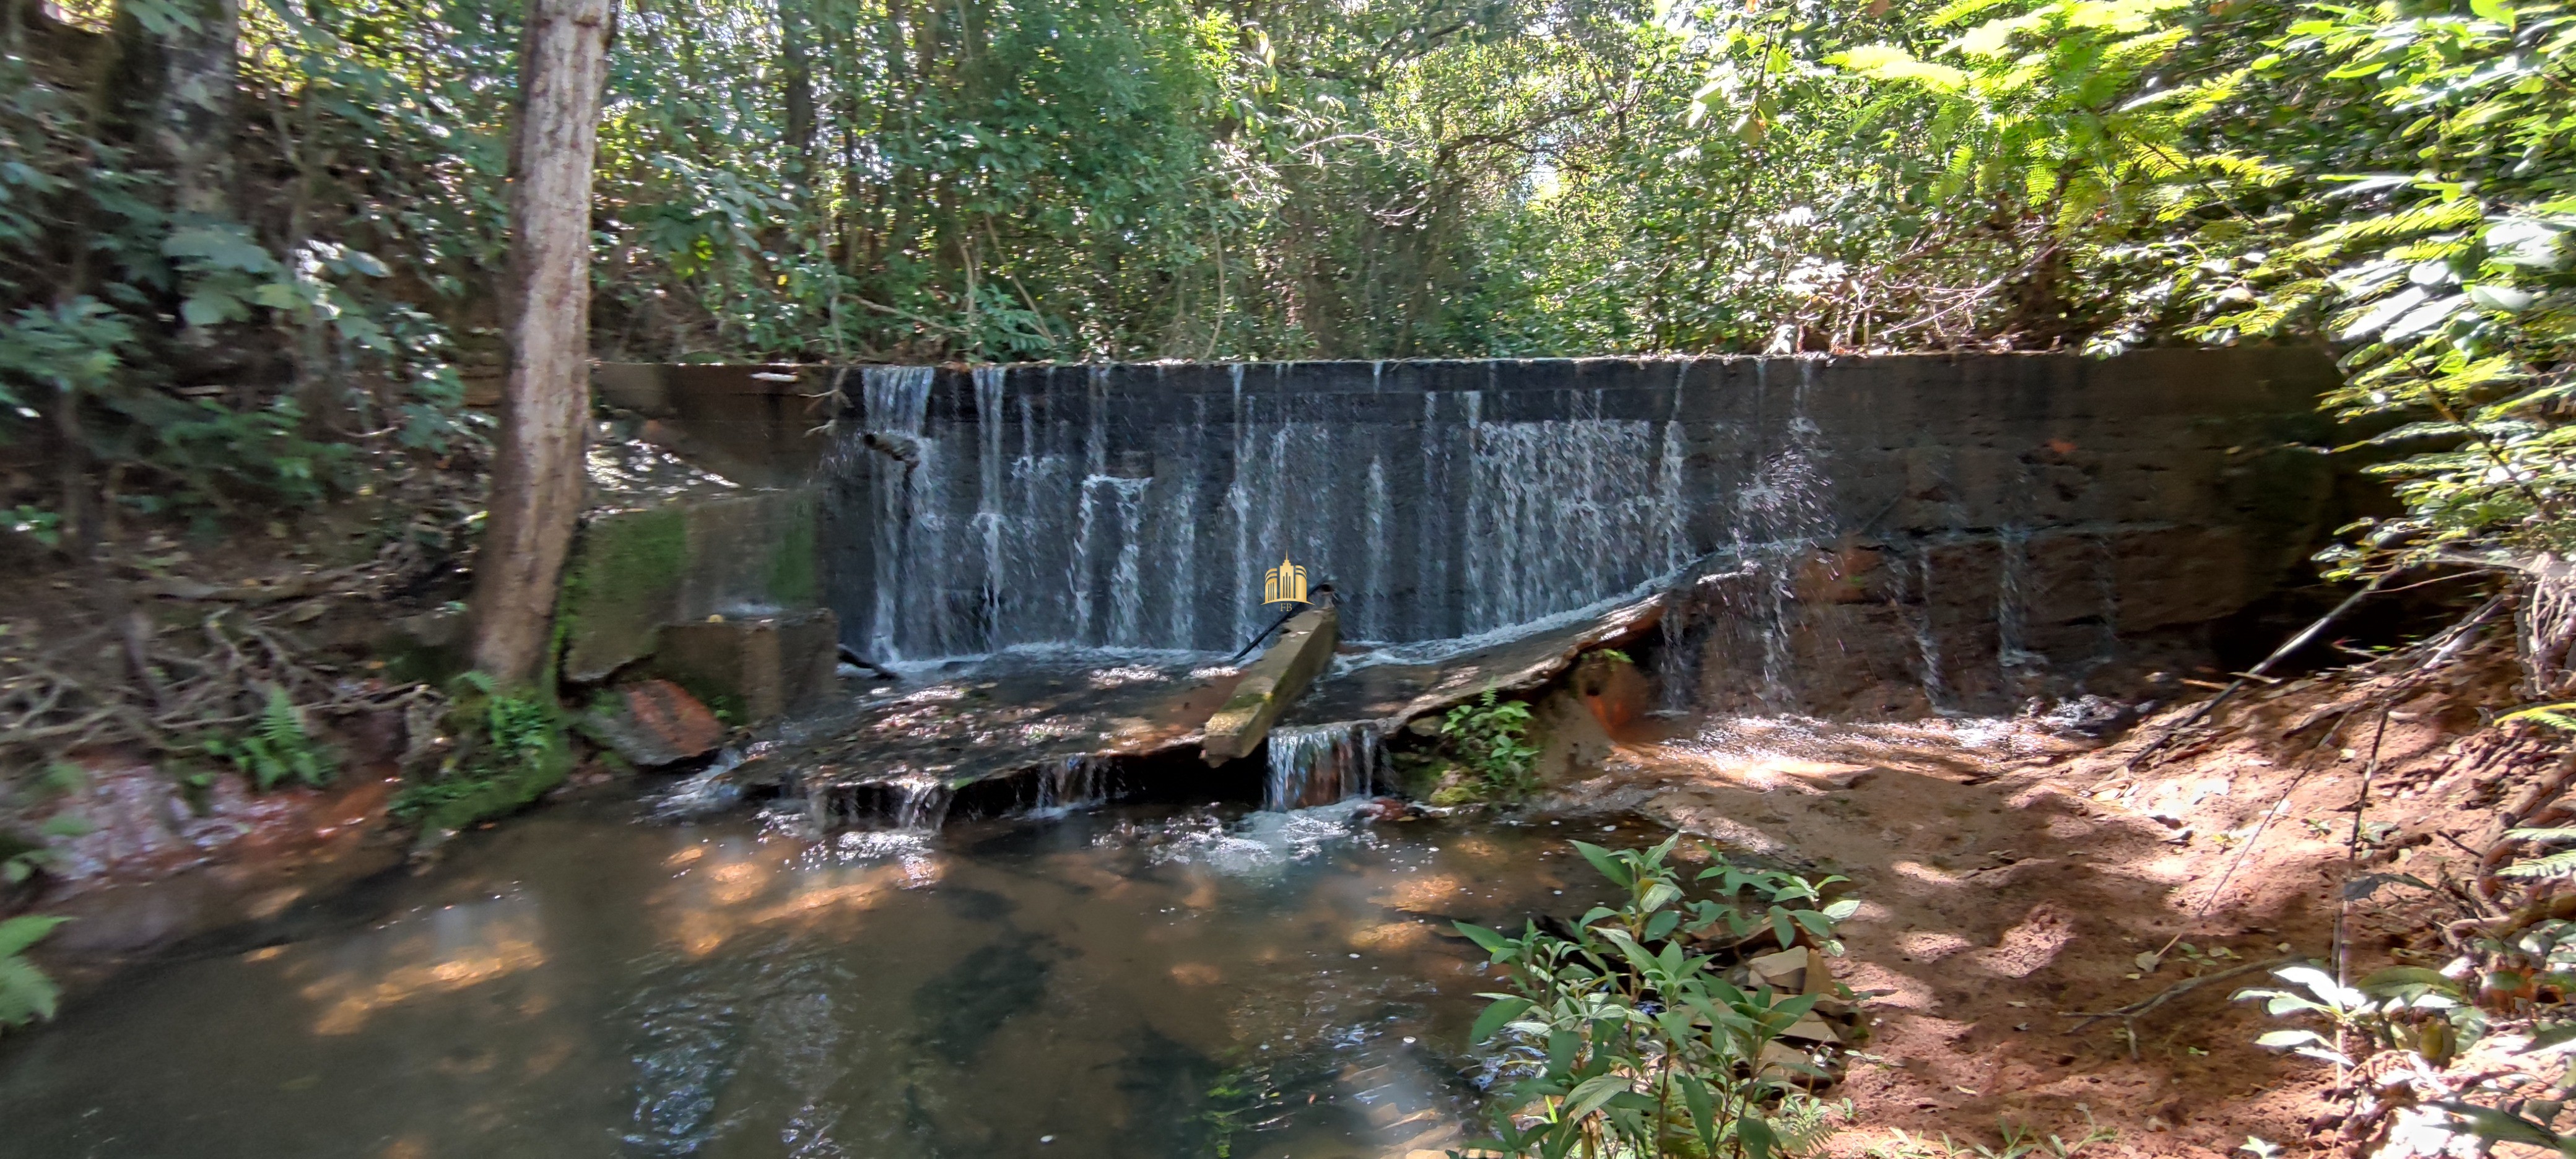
column 1125, row 981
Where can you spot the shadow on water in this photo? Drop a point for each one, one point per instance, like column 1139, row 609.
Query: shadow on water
column 967, row 1004
column 1166, row 1086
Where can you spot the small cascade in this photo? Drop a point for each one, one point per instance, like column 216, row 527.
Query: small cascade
column 1076, row 782
column 2012, row 610
column 896, row 401
column 921, row 803
column 1318, row 764
column 1927, row 641
column 991, row 524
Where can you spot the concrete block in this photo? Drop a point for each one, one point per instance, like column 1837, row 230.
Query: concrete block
column 733, row 555
column 752, row 668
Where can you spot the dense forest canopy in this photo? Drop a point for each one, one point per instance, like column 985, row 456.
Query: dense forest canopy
column 237, row 242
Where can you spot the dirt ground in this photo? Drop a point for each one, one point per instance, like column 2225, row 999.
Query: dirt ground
column 2014, row 874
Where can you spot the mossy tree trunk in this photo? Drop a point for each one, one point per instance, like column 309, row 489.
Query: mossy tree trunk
column 537, row 473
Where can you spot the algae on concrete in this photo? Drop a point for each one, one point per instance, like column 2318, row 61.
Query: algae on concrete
column 627, row 573
column 635, row 572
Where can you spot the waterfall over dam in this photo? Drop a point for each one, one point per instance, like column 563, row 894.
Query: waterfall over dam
column 1972, row 513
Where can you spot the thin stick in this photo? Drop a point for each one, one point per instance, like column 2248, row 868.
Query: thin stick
column 2129, row 1014
column 2296, row 642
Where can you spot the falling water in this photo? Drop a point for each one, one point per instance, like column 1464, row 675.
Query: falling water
column 1781, row 517
column 921, row 803
column 2012, row 614
column 1076, row 782
column 1373, row 615
column 1927, row 643
column 1138, row 507
column 897, row 403
column 1127, row 586
column 989, row 521
column 1320, row 764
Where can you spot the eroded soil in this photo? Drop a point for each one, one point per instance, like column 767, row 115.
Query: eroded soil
column 2014, row 875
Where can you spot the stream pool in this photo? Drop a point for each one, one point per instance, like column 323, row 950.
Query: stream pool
column 1132, row 982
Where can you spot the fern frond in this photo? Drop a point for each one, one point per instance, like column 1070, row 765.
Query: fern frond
column 2554, row 715
column 2412, row 221
column 2552, row 867
column 279, row 724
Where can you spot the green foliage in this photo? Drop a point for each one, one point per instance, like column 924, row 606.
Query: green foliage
column 1790, row 904
column 1628, row 1043
column 2390, row 176
column 26, row 994
column 278, row 748
column 21, row 860
column 515, row 746
column 35, row 523
column 1488, row 737
column 23, row 856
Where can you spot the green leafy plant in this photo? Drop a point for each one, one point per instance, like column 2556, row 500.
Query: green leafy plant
column 1489, row 737
column 2399, row 1007
column 278, row 748
column 22, row 857
column 1787, row 904
column 1627, row 1042
column 26, row 994
column 35, row 523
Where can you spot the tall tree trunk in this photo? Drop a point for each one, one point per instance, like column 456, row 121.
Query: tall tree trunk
column 795, row 63
column 179, row 84
column 537, row 476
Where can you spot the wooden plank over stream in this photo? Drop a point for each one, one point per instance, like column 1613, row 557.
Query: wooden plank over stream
column 1271, row 684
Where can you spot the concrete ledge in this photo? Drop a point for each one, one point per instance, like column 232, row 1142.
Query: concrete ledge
column 1270, row 685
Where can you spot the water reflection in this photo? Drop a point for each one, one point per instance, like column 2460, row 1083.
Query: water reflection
column 1133, row 982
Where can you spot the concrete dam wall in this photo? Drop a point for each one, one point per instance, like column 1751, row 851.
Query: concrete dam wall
column 1970, row 527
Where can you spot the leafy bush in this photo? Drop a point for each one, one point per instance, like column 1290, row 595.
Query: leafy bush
column 2389, row 176
column 1487, row 737
column 1639, row 1046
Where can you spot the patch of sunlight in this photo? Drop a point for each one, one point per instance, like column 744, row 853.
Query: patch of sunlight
column 1431, row 894
column 464, row 947
column 763, row 886
column 1921, row 872
column 1932, row 947
column 1389, row 936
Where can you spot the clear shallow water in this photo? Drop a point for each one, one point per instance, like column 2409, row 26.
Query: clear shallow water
column 1133, row 982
